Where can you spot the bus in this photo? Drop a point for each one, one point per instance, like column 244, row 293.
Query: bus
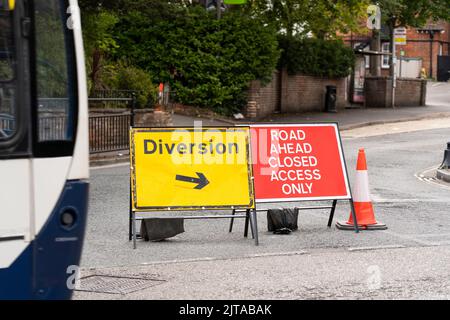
column 44, row 156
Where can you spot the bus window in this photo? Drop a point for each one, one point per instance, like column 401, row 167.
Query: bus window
column 7, row 74
column 54, row 77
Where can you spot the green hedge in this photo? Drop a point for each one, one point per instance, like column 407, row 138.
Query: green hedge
column 208, row 62
column 316, row 57
column 123, row 76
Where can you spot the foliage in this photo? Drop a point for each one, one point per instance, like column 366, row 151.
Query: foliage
column 413, row 13
column 208, row 62
column 98, row 33
column 99, row 42
column 325, row 19
column 321, row 18
column 316, row 57
column 123, row 76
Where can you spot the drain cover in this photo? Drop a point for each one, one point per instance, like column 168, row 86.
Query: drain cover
column 115, row 284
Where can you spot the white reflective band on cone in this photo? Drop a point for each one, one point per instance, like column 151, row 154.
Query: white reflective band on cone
column 361, row 189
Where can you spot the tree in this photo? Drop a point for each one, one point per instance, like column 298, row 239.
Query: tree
column 321, row 18
column 99, row 41
column 325, row 18
column 286, row 15
column 413, row 13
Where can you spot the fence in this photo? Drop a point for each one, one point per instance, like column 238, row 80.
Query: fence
column 111, row 99
column 111, row 132
column 52, row 128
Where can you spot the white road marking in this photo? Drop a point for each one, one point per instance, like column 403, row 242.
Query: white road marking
column 424, row 176
column 292, row 253
column 108, row 166
column 393, row 246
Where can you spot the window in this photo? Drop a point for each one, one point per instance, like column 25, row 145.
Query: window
column 386, row 47
column 55, row 81
column 8, row 83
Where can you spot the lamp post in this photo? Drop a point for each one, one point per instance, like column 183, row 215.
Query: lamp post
column 431, row 33
column 393, row 63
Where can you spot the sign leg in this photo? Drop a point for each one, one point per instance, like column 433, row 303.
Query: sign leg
column 247, row 217
column 352, row 206
column 250, row 217
column 130, row 227
column 330, row 220
column 130, row 214
column 232, row 221
column 134, row 230
column 254, row 223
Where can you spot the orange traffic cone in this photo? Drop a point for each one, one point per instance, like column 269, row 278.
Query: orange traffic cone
column 365, row 215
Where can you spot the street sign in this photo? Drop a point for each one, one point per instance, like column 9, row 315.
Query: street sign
column 400, row 36
column 189, row 168
column 298, row 162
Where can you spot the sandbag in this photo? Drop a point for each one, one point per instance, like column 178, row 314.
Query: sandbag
column 160, row 229
column 284, row 220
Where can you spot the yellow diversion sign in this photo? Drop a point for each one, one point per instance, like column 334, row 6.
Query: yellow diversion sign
column 191, row 168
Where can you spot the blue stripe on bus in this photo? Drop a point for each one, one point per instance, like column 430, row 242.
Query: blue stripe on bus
column 41, row 271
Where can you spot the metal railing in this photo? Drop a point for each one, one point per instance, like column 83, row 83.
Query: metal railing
column 109, row 133
column 52, row 128
column 111, row 99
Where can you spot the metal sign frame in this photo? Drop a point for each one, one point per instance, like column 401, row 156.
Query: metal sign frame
column 249, row 215
column 332, row 208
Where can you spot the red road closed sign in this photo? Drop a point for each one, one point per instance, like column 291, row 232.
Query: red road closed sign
column 298, row 162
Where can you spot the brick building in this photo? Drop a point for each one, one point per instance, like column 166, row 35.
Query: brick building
column 427, row 47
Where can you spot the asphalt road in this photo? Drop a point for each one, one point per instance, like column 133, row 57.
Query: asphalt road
column 438, row 94
column 409, row 260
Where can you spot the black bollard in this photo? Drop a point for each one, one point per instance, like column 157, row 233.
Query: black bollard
column 331, row 99
column 446, row 162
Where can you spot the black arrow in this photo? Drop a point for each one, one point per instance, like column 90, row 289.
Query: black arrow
column 201, row 180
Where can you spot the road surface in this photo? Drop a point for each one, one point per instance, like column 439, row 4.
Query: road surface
column 409, row 260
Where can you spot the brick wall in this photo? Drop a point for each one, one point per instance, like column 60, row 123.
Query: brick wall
column 409, row 92
column 293, row 93
column 267, row 97
column 304, row 93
